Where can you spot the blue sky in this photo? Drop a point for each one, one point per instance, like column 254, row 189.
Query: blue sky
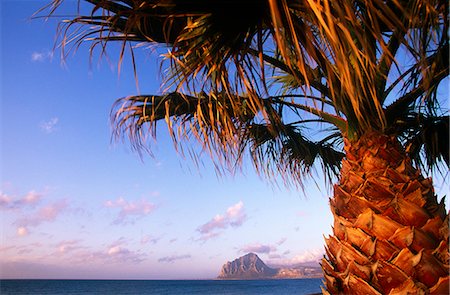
column 75, row 204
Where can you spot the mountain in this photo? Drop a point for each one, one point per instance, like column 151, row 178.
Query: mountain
column 247, row 267
column 251, row 267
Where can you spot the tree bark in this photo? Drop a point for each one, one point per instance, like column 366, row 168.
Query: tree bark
column 390, row 234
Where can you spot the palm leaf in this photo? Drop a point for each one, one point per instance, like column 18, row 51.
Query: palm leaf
column 426, row 138
column 344, row 52
column 290, row 153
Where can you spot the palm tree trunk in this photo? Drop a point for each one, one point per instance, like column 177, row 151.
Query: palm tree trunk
column 390, row 233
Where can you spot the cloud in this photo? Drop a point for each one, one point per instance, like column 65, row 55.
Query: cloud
column 308, row 256
column 22, row 231
column 234, row 217
column 40, row 56
column 258, row 248
column 5, row 201
column 112, row 254
column 173, row 258
column 65, row 247
column 130, row 211
column 12, row 203
column 311, row 255
column 118, row 252
column 115, row 252
column 149, row 239
column 281, row 241
column 44, row 214
column 49, row 126
column 122, row 254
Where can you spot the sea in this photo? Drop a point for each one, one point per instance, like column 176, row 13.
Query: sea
column 167, row 287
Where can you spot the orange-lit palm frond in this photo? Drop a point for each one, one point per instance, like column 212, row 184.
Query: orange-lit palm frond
column 355, row 45
column 358, row 64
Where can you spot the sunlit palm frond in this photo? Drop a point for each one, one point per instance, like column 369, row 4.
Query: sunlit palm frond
column 356, row 43
column 360, row 65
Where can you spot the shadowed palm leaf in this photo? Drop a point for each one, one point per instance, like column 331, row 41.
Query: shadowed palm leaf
column 269, row 140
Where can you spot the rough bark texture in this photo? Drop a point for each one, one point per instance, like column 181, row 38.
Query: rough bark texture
column 390, row 233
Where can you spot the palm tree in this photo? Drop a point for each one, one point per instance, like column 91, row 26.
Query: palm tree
column 252, row 78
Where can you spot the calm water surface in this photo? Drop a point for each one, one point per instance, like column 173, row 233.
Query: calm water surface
column 120, row 287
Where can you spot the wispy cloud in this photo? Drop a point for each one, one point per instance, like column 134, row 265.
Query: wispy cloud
column 148, row 239
column 44, row 214
column 116, row 252
column 258, row 248
column 119, row 252
column 69, row 246
column 281, row 241
column 308, row 256
column 173, row 258
column 122, row 254
column 11, row 203
column 40, row 56
column 49, row 126
column 234, row 217
column 130, row 211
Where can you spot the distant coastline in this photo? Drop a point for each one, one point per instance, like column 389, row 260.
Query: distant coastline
column 251, row 267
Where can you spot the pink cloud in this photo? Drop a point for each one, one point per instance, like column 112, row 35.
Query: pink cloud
column 311, row 255
column 118, row 252
column 31, row 199
column 45, row 214
column 308, row 256
column 115, row 252
column 234, row 217
column 5, row 201
column 22, row 231
column 173, row 258
column 258, row 248
column 65, row 247
column 128, row 209
column 149, row 239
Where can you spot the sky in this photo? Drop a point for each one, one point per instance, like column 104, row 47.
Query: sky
column 76, row 204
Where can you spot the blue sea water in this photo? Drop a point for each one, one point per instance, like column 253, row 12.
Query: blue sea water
column 156, row 287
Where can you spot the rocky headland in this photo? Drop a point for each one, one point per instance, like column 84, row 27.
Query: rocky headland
column 251, row 267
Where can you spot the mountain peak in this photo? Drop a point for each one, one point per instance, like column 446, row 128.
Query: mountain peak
column 249, row 266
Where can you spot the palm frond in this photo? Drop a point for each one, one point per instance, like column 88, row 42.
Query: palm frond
column 344, row 58
column 228, row 130
column 426, row 139
column 290, row 153
column 356, row 43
